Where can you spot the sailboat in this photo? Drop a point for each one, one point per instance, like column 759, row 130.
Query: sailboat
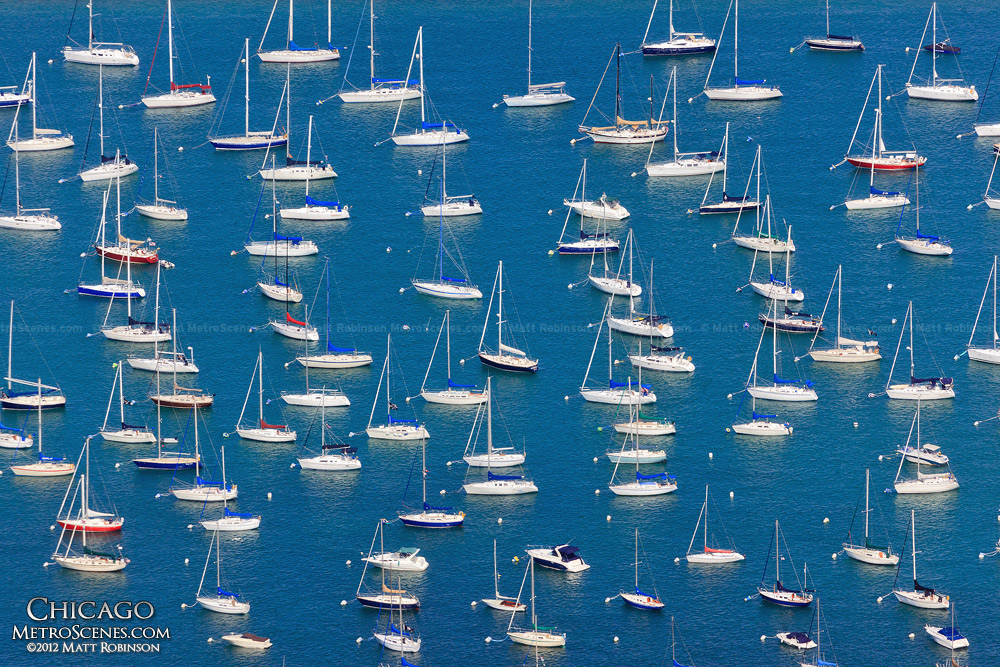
column 844, row 350
column 495, row 485
column 179, row 95
column 449, row 205
column 124, row 249
column 657, row 484
column 203, row 490
column 623, row 131
column 539, row 94
column 821, row 658
column 378, row 90
column 493, row 457
column 780, row 389
column 876, row 198
column 598, row 243
column 248, row 140
column 85, row 519
column 86, row 559
column 833, row 42
column 165, row 460
column 611, row 282
column 535, row 636
column 386, row 597
column 698, row 163
column 428, row 134
column 777, row 592
column 505, row 357
column 741, row 90
column 10, row 97
column 711, row 555
column 111, row 288
column 635, row 322
column 293, row 328
column 774, row 289
column 293, row 53
column 41, row 139
column 677, row 43
column 263, row 432
column 12, row 437
column 729, row 203
column 921, row 244
column 602, row 208
column 167, row 362
column 636, row 597
column 880, row 158
column 137, row 331
column 989, row 354
column 126, row 433
column 761, row 424
column 501, row 602
column 27, row 219
column 313, row 397
column 429, row 516
column 923, row 483
column 334, row 357
column 945, row 90
column 442, row 286
column 921, row 596
column 160, row 209
column 867, row 552
column 220, row 600
column 639, row 424
column 950, row 637
column 45, row 466
column 113, row 166
column 917, row 389
column 41, row 395
column 990, row 198
column 96, row 52
column 315, row 209
column 272, row 286
column 399, row 637
column 393, row 429
column 616, row 393
column 454, row 394
column 297, row 170
column 759, row 240
column 335, row 457
column 277, row 244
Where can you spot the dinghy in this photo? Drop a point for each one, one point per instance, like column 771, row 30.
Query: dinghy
column 247, row 640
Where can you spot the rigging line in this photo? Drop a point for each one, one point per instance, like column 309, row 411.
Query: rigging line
column 155, row 50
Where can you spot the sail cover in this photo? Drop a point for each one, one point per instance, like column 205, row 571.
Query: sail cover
column 292, row 320
column 317, row 202
column 754, row 82
column 333, row 348
column 503, row 478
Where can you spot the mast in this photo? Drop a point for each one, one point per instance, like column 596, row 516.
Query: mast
column 420, row 38
column 673, row 76
column 933, row 45
column 827, row 34
column 913, row 547
column 496, row 581
column 777, row 556
column 867, row 483
column 671, row 24
column 309, row 145
column 246, row 87
column 995, row 336
column 40, row 421
column 840, row 268
column 447, row 319
column 878, row 116
column 90, row 30
column 34, row 97
column 197, row 457
column 529, row 46
column 100, row 100
column 636, row 559
column 388, row 372
column 618, row 81
column 260, row 385
column 170, row 42
column 706, row 520
column 534, row 617
column 291, row 4
column 736, row 43
column 329, row 24
column 423, row 470
column 156, row 163
column 489, row 426
column 499, row 312
column 911, row 346
column 371, row 47
column 17, row 170
column 121, row 394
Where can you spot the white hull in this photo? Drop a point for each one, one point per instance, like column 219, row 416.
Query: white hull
column 624, row 135
column 930, row 457
column 622, row 396
column 430, row 138
column 764, row 244
column 247, row 642
column 616, row 286
column 317, row 399
column 42, row 143
column 987, row 129
column 224, row 605
column 642, row 488
column 109, row 171
column 31, row 401
column 685, row 167
column 43, row 469
column 138, row 334
column 379, row 95
column 289, row 56
column 455, row 397
column 163, row 365
column 295, row 331
column 447, row 290
column 788, row 393
column 316, row 213
column 845, row 355
column 499, row 487
column 637, row 455
column 122, row 56
column 15, row 441
column 601, row 209
column 876, row 201
column 645, row 428
column 777, row 292
column 641, row 327
column 266, row 434
column 282, row 293
column 743, row 93
column 397, row 432
column 499, row 459
column 203, row 494
column 925, row 247
column 30, row 223
column 764, row 428
column 452, row 209
column 537, row 99
column 398, row 643
column 918, row 392
column 281, row 249
column 336, row 361
column 232, row 524
column 88, row 563
column 927, row 484
column 541, row 639
column 129, row 436
column 298, row 173
column 942, row 93
column 331, row 462
column 161, row 212
column 923, row 600
column 676, row 363
column 870, row 556
column 178, row 99
column 400, row 562
column 504, row 604
column 987, row 355
column 715, row 558
column 943, row 640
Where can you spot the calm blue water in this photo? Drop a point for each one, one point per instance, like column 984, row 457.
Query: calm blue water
column 520, row 164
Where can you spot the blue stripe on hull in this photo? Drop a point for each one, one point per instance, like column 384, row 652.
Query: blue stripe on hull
column 582, row 251
column 86, row 291
column 787, row 604
column 163, row 466
column 34, row 408
column 551, row 566
column 224, row 145
column 4, row 105
column 642, row 606
column 428, row 524
column 379, row 605
column 835, row 48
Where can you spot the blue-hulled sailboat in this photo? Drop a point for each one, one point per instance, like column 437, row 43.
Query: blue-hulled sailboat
column 777, row 593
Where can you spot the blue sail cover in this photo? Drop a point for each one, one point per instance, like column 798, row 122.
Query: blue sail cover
column 392, row 420
column 279, row 283
column 438, row 509
column 778, row 380
column 453, row 385
column 640, row 476
column 503, row 478
column 333, row 348
column 826, row 664
column 438, row 126
column 584, row 236
column 741, row 82
column 294, row 239
column 317, row 202
column 757, row 415
column 292, row 46
column 618, row 385
column 925, row 236
column 290, row 162
column 875, row 191
column 412, row 82
column 224, row 593
column 454, row 280
column 11, row 428
column 50, row 459
column 776, row 281
column 206, row 482
column 407, row 663
column 677, row 664
column 397, row 631
column 228, row 512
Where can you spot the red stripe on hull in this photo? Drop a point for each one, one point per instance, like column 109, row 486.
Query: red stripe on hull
column 886, row 166
column 112, row 527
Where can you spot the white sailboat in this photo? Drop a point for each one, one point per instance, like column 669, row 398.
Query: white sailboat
column 880, row 158
column 729, row 203
column 449, row 205
column 166, row 362
column 614, row 284
column 440, row 285
column 44, row 466
column 636, row 597
column 761, row 424
column 938, row 482
column 249, row 140
column 876, row 198
column 493, row 457
column 760, row 240
column 926, row 389
column 315, row 397
column 950, row 637
column 333, row 357
column 160, row 209
column 780, row 389
column 598, row 243
column 41, row 395
column 945, row 90
column 262, row 432
column 603, row 208
column 220, row 600
column 85, row 519
column 97, row 52
column 27, row 219
column 669, row 359
column 698, row 163
column 179, row 95
column 386, row 598
column 203, row 490
column 623, row 131
column 989, row 354
column 504, row 357
column 112, row 288
column 539, row 94
column 335, row 457
column 401, row 638
column 126, row 433
column 867, row 552
column 657, row 484
column 991, row 199
column 41, row 139
column 635, row 322
column 920, row 596
column 277, row 244
column 494, row 485
column 741, row 90
column 844, row 350
column 533, row 636
column 501, row 602
column 298, row 170
column 113, row 166
column 616, row 393
column 711, row 555
column 428, row 133
column 775, row 289
column 293, row 328
column 454, row 394
column 12, row 437
column 378, row 90
column 137, row 331
column 270, row 285
column 921, row 244
column 777, row 593
column 677, row 43
column 165, row 460
column 86, row 559
column 429, row 516
column 831, row 42
column 293, row 53
column 393, row 429
column 315, row 209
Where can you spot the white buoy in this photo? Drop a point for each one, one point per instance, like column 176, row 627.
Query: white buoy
column 180, row 149
column 52, row 527
column 607, row 518
column 347, row 563
column 488, row 640
column 894, row 320
column 714, row 246
column 634, row 174
column 291, row 465
column 565, row 398
column 500, row 521
column 879, row 599
column 855, row 424
column 183, row 606
column 268, row 495
column 402, row 290
column 833, row 556
column 190, row 526
column 911, row 635
column 358, row 640
column 595, row 459
column 597, row 492
column 826, row 519
column 889, row 286
column 443, row 492
column 187, row 560
column 473, row 603
column 981, row 555
column 343, row 603
column 710, row 456
column 677, row 559
column 729, row 396
column 550, row 211
column 955, row 357
column 572, row 142
column 551, row 252
column 763, row 637
column 731, row 494
column 117, row 466
column 407, row 399
column 975, row 423
column 607, row 600
column 50, row 61
column 388, row 249
column 420, row 172
column 616, row 639
column 880, row 457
